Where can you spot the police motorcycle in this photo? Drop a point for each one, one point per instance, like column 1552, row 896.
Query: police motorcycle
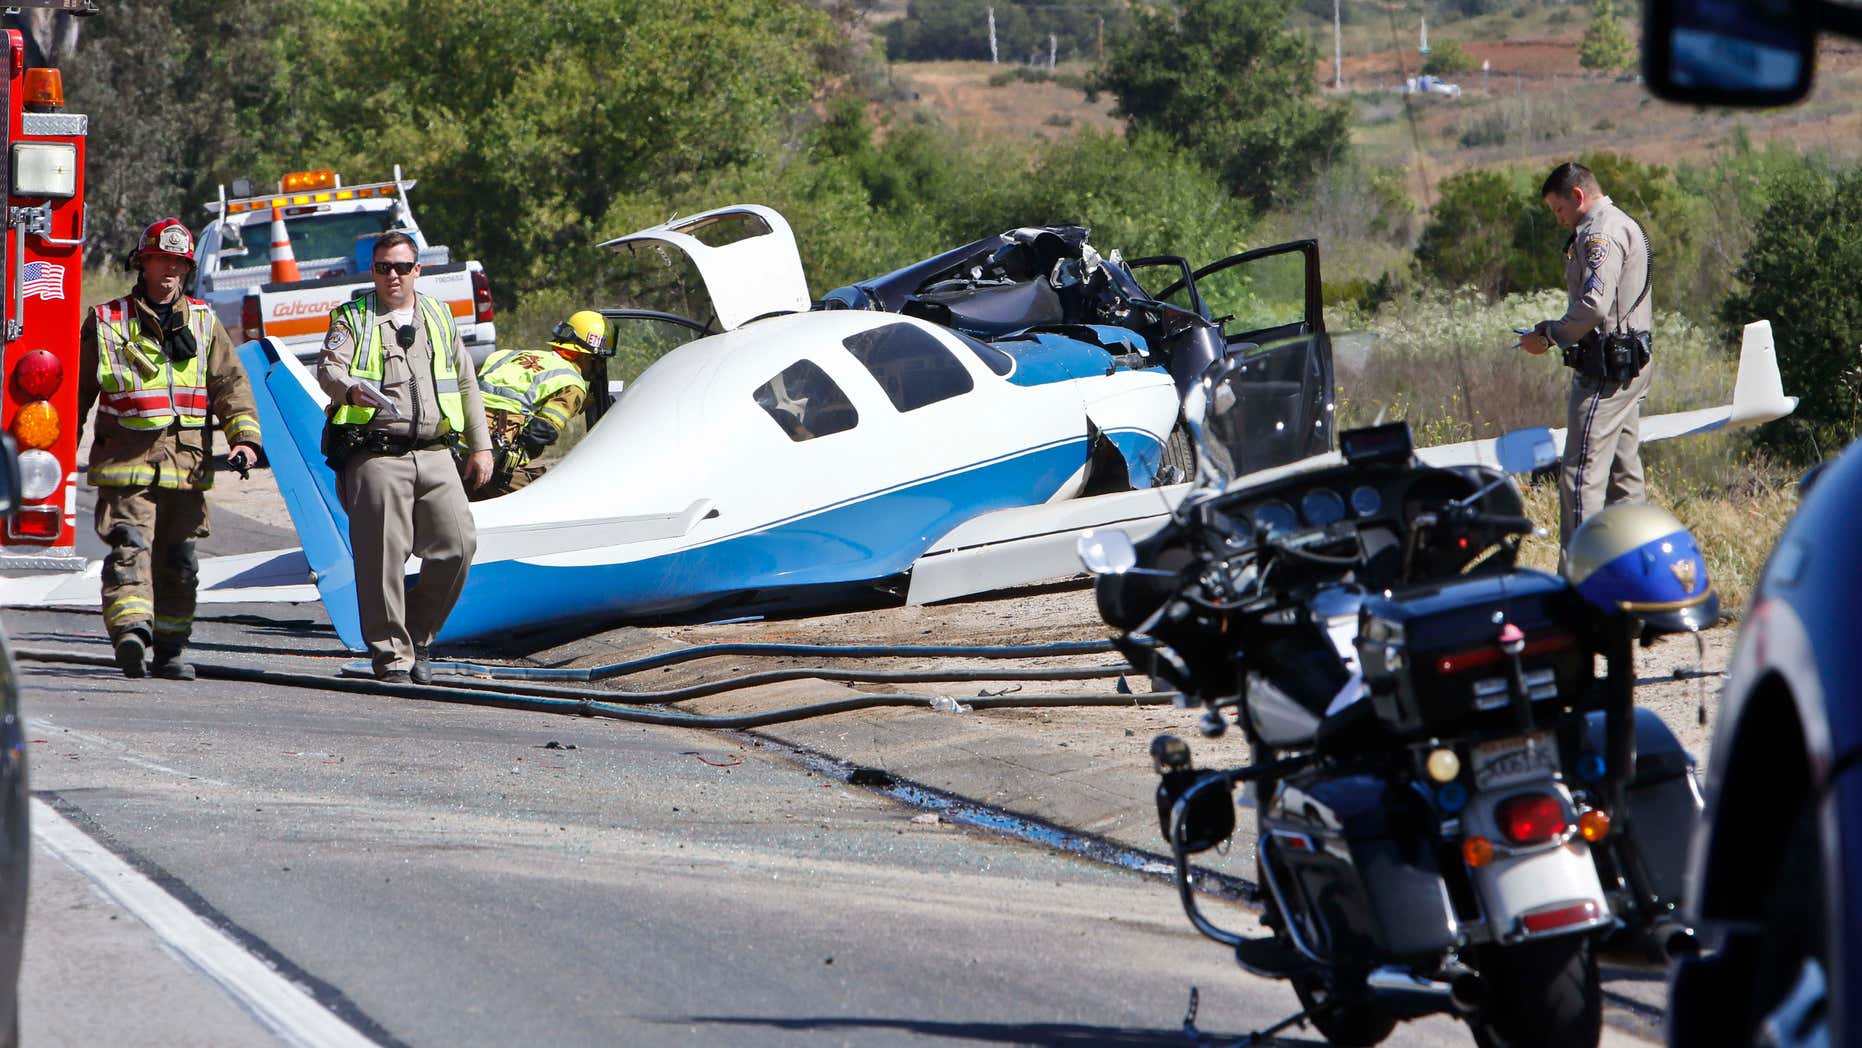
column 1453, row 808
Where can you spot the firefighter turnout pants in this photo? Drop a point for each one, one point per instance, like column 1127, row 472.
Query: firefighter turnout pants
column 1603, row 448
column 151, row 571
column 503, row 482
column 400, row 505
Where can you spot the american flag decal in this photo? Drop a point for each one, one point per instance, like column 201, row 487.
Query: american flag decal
column 44, row 280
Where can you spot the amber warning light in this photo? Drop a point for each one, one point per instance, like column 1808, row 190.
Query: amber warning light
column 45, row 89
column 301, row 180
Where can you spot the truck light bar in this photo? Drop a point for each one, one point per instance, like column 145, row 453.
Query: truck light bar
column 324, row 196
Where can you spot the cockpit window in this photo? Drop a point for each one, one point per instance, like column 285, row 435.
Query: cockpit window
column 806, row 403
column 912, row 365
column 994, row 359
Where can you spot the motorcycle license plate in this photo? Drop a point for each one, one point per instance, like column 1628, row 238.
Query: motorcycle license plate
column 1503, row 762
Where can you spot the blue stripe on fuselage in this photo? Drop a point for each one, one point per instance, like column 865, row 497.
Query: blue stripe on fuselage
column 871, row 537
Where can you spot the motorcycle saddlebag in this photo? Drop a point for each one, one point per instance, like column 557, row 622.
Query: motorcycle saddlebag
column 1358, row 856
column 1664, row 801
column 1431, row 657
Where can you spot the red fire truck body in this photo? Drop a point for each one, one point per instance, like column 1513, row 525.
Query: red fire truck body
column 41, row 295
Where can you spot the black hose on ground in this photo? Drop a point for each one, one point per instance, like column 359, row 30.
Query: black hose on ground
column 608, row 710
column 838, row 651
column 825, row 673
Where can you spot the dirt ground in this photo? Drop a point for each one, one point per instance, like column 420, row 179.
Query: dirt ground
column 1673, row 676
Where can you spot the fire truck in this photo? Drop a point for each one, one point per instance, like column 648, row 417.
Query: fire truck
column 41, row 295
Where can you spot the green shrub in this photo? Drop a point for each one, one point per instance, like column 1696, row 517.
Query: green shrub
column 1800, row 273
column 1446, row 58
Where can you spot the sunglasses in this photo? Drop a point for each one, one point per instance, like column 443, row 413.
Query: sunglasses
column 401, row 268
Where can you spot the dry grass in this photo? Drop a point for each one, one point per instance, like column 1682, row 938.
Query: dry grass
column 1736, row 521
column 960, row 95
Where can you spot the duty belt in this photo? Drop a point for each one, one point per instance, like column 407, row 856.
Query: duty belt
column 383, row 444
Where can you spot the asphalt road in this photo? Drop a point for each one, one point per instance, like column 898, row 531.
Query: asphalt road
column 436, row 874
column 439, row 876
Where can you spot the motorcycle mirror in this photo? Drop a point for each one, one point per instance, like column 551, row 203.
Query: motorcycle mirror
column 1526, row 450
column 1107, row 551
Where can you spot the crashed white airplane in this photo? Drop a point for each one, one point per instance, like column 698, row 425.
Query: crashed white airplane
column 947, row 429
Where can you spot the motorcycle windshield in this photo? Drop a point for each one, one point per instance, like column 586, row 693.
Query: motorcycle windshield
column 1273, row 404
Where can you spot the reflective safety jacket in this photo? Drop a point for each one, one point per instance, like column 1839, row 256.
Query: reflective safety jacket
column 365, row 363
column 532, row 384
column 140, row 385
column 152, row 411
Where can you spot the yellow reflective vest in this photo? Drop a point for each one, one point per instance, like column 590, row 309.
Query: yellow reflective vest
column 137, row 382
column 367, row 362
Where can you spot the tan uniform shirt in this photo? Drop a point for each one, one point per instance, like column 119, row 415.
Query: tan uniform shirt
column 179, row 456
column 1606, row 268
column 407, row 380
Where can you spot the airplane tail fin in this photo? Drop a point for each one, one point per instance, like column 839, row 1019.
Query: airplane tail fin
column 1758, row 394
column 291, row 419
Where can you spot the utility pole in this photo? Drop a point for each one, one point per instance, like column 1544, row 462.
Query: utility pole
column 992, row 34
column 1338, row 49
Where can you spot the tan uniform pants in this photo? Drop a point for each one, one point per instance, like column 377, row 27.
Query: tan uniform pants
column 150, row 574
column 1603, row 448
column 400, row 505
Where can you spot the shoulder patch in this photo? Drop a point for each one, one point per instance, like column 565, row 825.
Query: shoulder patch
column 1596, row 249
column 337, row 336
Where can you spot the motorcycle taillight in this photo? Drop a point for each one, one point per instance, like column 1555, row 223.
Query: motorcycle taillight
column 1532, row 818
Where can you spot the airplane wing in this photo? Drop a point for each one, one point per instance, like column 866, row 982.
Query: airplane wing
column 1016, row 547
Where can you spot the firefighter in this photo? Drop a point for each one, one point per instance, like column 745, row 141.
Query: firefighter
column 392, row 365
column 159, row 366
column 530, row 396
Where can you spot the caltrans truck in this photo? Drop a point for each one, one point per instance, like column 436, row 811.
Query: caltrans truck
column 332, row 228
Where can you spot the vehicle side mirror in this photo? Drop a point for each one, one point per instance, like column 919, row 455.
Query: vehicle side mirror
column 1526, row 450
column 1107, row 551
column 1810, row 478
column 1729, row 52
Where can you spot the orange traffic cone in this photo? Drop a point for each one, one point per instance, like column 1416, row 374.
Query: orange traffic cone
column 284, row 263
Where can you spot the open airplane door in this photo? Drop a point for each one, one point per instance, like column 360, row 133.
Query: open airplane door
column 745, row 255
column 1271, row 308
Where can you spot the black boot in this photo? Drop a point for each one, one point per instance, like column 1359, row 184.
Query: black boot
column 423, row 665
column 169, row 665
column 131, row 645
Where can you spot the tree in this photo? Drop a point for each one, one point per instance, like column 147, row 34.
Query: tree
column 175, row 93
column 1489, row 230
column 1800, row 275
column 1448, row 58
column 1227, row 81
column 1606, row 44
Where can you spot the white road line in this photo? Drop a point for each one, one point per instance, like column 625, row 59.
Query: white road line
column 281, row 1005
column 117, row 750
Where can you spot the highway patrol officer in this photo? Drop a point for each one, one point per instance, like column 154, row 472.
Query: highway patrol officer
column 158, row 364
column 1605, row 338
column 392, row 365
column 530, row 396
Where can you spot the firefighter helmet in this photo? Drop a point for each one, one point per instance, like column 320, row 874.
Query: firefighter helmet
column 1639, row 559
column 166, row 236
column 584, row 332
